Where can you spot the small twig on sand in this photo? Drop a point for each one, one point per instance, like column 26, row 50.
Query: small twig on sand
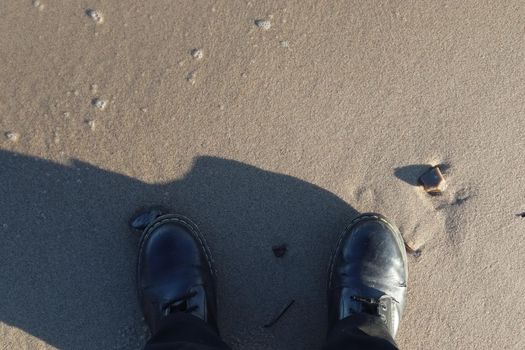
column 276, row 319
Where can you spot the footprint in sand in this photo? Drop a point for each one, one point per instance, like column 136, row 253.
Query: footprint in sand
column 413, row 213
column 443, row 210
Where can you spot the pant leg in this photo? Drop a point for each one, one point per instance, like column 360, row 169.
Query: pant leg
column 185, row 332
column 360, row 332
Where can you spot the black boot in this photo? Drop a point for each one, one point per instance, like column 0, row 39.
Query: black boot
column 368, row 278
column 175, row 273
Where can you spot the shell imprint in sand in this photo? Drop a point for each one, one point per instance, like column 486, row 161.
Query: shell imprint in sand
column 99, row 103
column 12, row 136
column 263, row 24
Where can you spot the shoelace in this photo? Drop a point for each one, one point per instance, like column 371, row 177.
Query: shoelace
column 367, row 301
column 181, row 304
column 371, row 305
column 374, row 306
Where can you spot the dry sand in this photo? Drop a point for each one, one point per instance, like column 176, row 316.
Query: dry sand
column 278, row 131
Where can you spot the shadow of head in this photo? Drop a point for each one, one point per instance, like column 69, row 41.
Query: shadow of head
column 67, row 260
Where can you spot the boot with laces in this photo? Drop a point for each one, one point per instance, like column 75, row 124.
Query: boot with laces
column 368, row 273
column 174, row 272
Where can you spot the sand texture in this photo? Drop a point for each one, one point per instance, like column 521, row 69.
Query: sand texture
column 267, row 123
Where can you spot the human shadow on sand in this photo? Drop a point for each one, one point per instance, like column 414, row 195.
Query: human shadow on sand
column 67, row 259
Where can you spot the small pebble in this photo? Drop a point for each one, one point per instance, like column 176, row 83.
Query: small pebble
column 38, row 5
column 284, row 44
column 99, row 103
column 56, row 138
column 93, row 88
column 91, row 124
column 190, row 78
column 143, row 109
column 197, row 54
column 12, row 136
column 411, row 251
column 263, row 24
column 279, row 250
column 433, row 181
column 95, row 15
column 66, row 114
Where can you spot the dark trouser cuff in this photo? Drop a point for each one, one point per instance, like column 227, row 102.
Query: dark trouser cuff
column 185, row 331
column 360, row 332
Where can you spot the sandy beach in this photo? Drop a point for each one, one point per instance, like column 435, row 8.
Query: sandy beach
column 266, row 122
